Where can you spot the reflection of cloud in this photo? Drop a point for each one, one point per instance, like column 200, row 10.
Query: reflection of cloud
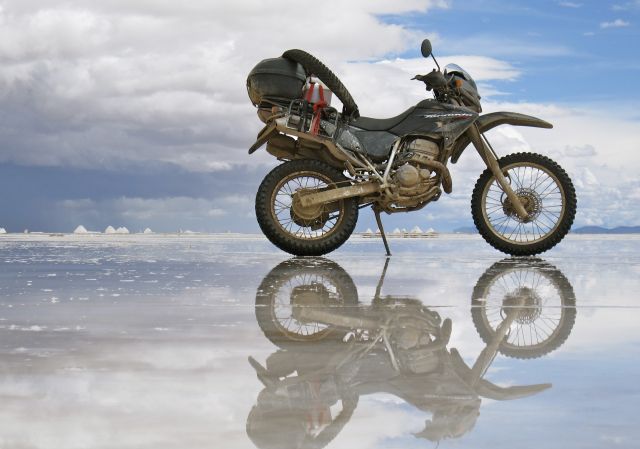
column 120, row 383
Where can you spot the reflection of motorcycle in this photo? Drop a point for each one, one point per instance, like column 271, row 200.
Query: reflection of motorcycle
column 334, row 351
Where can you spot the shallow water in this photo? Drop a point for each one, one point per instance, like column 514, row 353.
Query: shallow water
column 145, row 341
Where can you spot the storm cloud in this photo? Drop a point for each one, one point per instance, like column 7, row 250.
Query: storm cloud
column 136, row 112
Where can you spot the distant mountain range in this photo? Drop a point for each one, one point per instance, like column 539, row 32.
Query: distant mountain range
column 582, row 230
column 601, row 230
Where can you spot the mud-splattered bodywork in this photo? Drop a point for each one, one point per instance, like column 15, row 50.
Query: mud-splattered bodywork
column 428, row 118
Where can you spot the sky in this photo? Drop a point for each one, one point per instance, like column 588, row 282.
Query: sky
column 134, row 112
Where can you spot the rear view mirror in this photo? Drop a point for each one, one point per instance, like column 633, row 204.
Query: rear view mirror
column 425, row 48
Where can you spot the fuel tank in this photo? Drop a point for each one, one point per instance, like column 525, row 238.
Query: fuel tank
column 435, row 119
column 428, row 118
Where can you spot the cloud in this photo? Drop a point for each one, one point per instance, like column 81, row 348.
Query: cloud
column 581, row 151
column 596, row 166
column 618, row 23
column 167, row 214
column 580, row 127
column 498, row 47
column 570, row 4
column 483, row 68
column 626, row 6
column 106, row 84
column 384, row 88
column 129, row 85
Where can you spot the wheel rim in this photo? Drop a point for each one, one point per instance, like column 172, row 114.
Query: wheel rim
column 541, row 193
column 327, row 220
column 541, row 313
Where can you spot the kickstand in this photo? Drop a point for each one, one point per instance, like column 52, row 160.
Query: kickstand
column 376, row 212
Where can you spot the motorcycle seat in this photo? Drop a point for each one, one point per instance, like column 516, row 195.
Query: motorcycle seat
column 380, row 124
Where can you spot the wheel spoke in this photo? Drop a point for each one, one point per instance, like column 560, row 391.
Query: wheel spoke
column 304, row 228
column 541, row 194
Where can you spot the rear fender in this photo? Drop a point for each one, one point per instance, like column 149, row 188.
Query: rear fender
column 264, row 135
column 490, row 121
column 308, row 146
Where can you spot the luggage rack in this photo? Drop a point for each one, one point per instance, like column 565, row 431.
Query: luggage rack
column 300, row 116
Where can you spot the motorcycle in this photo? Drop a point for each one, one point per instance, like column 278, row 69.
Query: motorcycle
column 334, row 351
column 336, row 163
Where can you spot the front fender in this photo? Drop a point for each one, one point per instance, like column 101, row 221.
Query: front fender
column 490, row 121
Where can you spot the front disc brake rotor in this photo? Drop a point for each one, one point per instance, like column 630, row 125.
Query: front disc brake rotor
column 530, row 201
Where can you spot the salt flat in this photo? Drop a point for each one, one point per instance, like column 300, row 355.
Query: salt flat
column 166, row 341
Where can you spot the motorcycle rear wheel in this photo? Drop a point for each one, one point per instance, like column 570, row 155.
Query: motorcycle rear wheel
column 546, row 192
column 298, row 236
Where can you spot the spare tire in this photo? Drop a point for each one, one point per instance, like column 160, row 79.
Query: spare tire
column 314, row 66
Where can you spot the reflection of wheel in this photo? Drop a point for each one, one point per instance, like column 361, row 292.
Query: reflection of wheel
column 544, row 300
column 299, row 283
column 304, row 231
column 547, row 194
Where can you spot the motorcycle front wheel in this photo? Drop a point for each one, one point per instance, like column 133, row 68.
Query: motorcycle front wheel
column 546, row 192
column 321, row 231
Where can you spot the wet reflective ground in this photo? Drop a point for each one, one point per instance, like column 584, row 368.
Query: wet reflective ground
column 204, row 341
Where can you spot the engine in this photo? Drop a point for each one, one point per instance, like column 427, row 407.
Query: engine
column 415, row 177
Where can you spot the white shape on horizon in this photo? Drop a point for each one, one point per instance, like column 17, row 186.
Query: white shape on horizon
column 122, row 230
column 397, row 231
column 80, row 230
column 404, row 230
column 3, row 231
column 368, row 231
column 431, row 231
column 416, row 230
column 110, row 230
column 377, row 230
column 147, row 231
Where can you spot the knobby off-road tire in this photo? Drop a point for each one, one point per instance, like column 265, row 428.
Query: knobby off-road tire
column 275, row 294
column 543, row 201
column 551, row 311
column 267, row 203
column 314, row 66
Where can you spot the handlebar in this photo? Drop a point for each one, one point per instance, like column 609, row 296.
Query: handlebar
column 434, row 80
column 448, row 89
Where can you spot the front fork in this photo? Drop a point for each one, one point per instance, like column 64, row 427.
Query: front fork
column 489, row 158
